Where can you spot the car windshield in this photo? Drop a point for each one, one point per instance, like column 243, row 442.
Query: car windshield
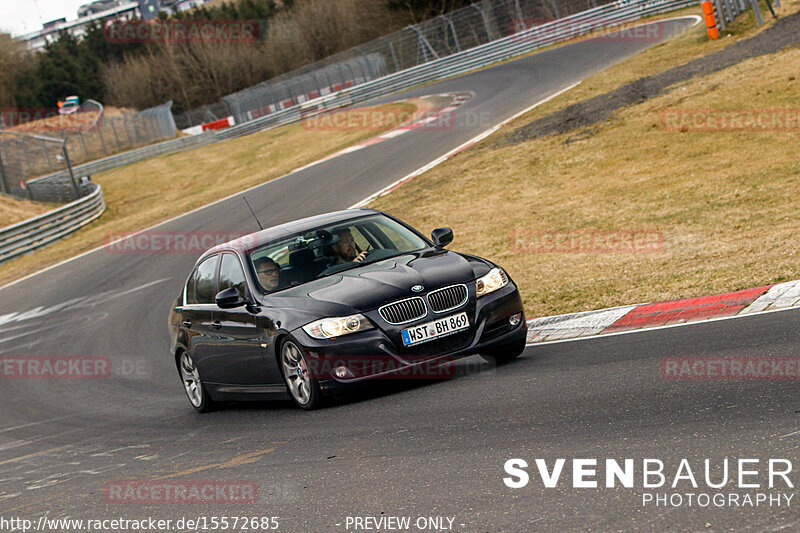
column 330, row 249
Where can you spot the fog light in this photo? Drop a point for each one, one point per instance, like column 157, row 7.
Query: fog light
column 515, row 319
column 340, row 371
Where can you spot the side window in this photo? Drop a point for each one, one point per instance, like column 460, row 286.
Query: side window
column 200, row 289
column 231, row 274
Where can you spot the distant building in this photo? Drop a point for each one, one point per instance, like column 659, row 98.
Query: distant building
column 123, row 9
column 53, row 23
column 99, row 6
column 175, row 6
column 102, row 10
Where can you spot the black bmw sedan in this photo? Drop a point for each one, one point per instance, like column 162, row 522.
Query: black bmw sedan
column 311, row 306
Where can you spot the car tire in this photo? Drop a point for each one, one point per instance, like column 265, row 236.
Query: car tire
column 303, row 389
column 505, row 354
column 193, row 384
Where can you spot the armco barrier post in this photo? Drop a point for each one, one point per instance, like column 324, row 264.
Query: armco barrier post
column 4, row 187
column 519, row 10
column 555, row 9
column 102, row 141
column 757, row 9
column 114, row 129
column 71, row 174
column 82, row 138
column 731, row 9
column 489, row 36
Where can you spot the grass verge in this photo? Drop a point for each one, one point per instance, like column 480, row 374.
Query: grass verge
column 682, row 48
column 13, row 210
column 724, row 202
column 145, row 193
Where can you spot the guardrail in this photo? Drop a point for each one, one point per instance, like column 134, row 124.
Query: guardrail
column 40, row 231
column 514, row 45
column 520, row 43
column 118, row 160
column 87, row 136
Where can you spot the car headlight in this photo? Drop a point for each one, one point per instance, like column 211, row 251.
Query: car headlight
column 495, row 279
column 329, row 328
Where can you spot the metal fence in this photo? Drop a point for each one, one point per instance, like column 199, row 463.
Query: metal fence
column 465, row 28
column 202, row 115
column 87, row 135
column 533, row 34
column 296, row 88
column 57, row 187
column 727, row 10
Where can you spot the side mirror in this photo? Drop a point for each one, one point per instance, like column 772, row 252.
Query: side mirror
column 441, row 237
column 230, row 299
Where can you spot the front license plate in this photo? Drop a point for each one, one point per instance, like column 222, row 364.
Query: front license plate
column 436, row 329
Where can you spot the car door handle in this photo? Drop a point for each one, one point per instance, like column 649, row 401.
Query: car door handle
column 216, row 324
column 187, row 323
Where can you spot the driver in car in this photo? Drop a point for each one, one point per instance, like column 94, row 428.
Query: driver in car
column 345, row 248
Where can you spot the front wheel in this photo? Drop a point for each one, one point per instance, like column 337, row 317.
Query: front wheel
column 303, row 389
column 193, row 385
column 505, row 354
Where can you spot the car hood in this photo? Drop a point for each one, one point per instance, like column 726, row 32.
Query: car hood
column 370, row 286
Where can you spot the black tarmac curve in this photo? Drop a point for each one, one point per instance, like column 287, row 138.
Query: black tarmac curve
column 401, row 449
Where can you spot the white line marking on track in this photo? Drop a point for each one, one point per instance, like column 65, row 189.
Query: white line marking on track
column 37, row 423
column 75, row 303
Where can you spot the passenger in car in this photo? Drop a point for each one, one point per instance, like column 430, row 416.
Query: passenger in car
column 268, row 273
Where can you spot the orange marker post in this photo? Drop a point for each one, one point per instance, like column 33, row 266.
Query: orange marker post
column 711, row 19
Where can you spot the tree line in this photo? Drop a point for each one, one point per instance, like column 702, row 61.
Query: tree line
column 192, row 74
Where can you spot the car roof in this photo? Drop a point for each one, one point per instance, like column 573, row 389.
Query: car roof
column 254, row 240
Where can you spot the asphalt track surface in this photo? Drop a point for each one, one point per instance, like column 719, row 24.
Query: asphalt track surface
column 401, row 449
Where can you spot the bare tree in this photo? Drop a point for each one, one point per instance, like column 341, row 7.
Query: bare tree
column 14, row 58
column 195, row 73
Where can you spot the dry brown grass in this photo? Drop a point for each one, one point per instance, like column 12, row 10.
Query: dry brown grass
column 139, row 196
column 13, row 211
column 725, row 202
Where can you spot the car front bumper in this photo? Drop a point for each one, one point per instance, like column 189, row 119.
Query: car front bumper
column 376, row 354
